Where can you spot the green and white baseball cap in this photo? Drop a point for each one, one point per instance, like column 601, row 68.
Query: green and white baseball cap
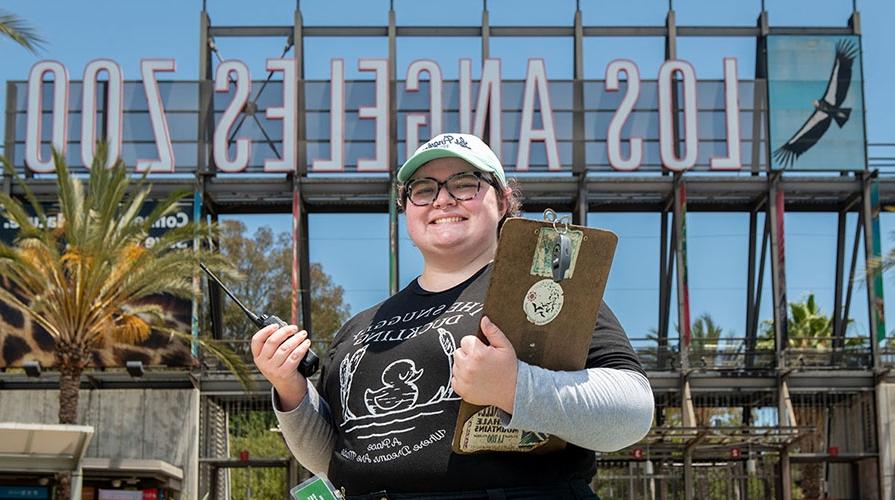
column 464, row 146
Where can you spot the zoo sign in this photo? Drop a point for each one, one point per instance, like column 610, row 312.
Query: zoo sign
column 673, row 121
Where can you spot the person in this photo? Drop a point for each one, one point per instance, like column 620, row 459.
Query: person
column 380, row 420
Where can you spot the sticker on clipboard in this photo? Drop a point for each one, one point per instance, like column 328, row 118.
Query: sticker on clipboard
column 542, row 262
column 543, row 302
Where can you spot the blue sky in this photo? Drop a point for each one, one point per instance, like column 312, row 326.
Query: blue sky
column 353, row 248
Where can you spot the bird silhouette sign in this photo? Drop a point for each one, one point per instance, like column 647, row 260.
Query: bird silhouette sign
column 827, row 108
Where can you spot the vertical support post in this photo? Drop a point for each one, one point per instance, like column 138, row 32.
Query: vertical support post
column 301, row 265
column 750, row 289
column 759, row 285
column 784, row 476
column 197, row 282
column 838, row 329
column 202, row 134
column 293, row 474
column 670, row 36
column 298, row 53
column 785, row 418
column 486, row 36
column 683, row 304
column 301, row 256
column 872, row 253
column 856, row 243
column 778, row 266
column 579, row 168
column 664, row 291
column 206, row 103
column 683, row 294
column 392, row 155
column 689, row 490
column 875, row 303
column 213, row 488
column 688, row 411
column 9, row 141
column 216, row 298
column 77, row 483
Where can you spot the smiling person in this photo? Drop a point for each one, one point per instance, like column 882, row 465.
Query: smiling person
column 380, row 420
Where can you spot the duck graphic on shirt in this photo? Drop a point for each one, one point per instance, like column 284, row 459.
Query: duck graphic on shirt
column 398, row 391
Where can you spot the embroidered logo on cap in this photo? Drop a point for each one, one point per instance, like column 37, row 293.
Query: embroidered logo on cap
column 447, row 141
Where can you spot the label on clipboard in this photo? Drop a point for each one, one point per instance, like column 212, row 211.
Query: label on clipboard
column 484, row 432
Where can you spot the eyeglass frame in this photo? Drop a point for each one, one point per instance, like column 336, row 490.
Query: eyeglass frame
column 480, row 176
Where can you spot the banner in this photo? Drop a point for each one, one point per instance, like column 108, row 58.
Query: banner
column 816, row 103
column 25, row 340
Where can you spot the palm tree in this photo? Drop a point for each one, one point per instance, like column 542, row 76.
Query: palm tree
column 808, row 328
column 84, row 279
column 704, row 344
column 704, row 336
column 19, row 31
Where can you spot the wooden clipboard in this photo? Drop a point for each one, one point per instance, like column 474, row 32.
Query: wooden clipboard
column 549, row 324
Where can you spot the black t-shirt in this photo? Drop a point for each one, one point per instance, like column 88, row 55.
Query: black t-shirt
column 387, row 380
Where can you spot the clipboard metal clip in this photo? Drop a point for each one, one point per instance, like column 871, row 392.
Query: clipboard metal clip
column 562, row 247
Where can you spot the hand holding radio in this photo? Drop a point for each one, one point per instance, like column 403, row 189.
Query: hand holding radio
column 277, row 352
column 281, row 352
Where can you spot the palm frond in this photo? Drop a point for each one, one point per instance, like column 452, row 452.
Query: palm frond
column 19, row 31
column 84, row 281
column 224, row 354
column 29, row 195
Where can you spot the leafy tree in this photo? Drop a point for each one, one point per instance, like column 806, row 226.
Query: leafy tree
column 807, row 326
column 264, row 260
column 84, row 279
column 19, row 31
column 252, row 431
column 704, row 343
column 704, row 339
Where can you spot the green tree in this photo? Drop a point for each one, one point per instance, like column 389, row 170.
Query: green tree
column 704, row 340
column 253, row 431
column 19, row 31
column 705, row 347
column 807, row 326
column 264, row 261
column 83, row 280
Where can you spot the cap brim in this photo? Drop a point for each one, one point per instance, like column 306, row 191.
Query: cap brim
column 418, row 160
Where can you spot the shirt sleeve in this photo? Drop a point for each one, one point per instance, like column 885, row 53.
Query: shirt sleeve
column 308, row 430
column 601, row 409
column 605, row 407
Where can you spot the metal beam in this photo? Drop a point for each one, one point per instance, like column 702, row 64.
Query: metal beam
column 778, row 273
column 579, row 167
column 604, row 192
column 393, row 244
column 838, row 330
column 523, row 31
column 870, row 210
column 9, row 141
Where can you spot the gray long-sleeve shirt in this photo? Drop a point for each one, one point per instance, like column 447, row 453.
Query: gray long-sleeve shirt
column 388, row 410
column 602, row 409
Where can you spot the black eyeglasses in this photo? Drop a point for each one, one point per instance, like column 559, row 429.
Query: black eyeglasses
column 463, row 186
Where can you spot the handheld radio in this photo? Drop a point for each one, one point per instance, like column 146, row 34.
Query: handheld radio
column 308, row 365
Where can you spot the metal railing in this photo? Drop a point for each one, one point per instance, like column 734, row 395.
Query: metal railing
column 734, row 353
column 727, row 353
